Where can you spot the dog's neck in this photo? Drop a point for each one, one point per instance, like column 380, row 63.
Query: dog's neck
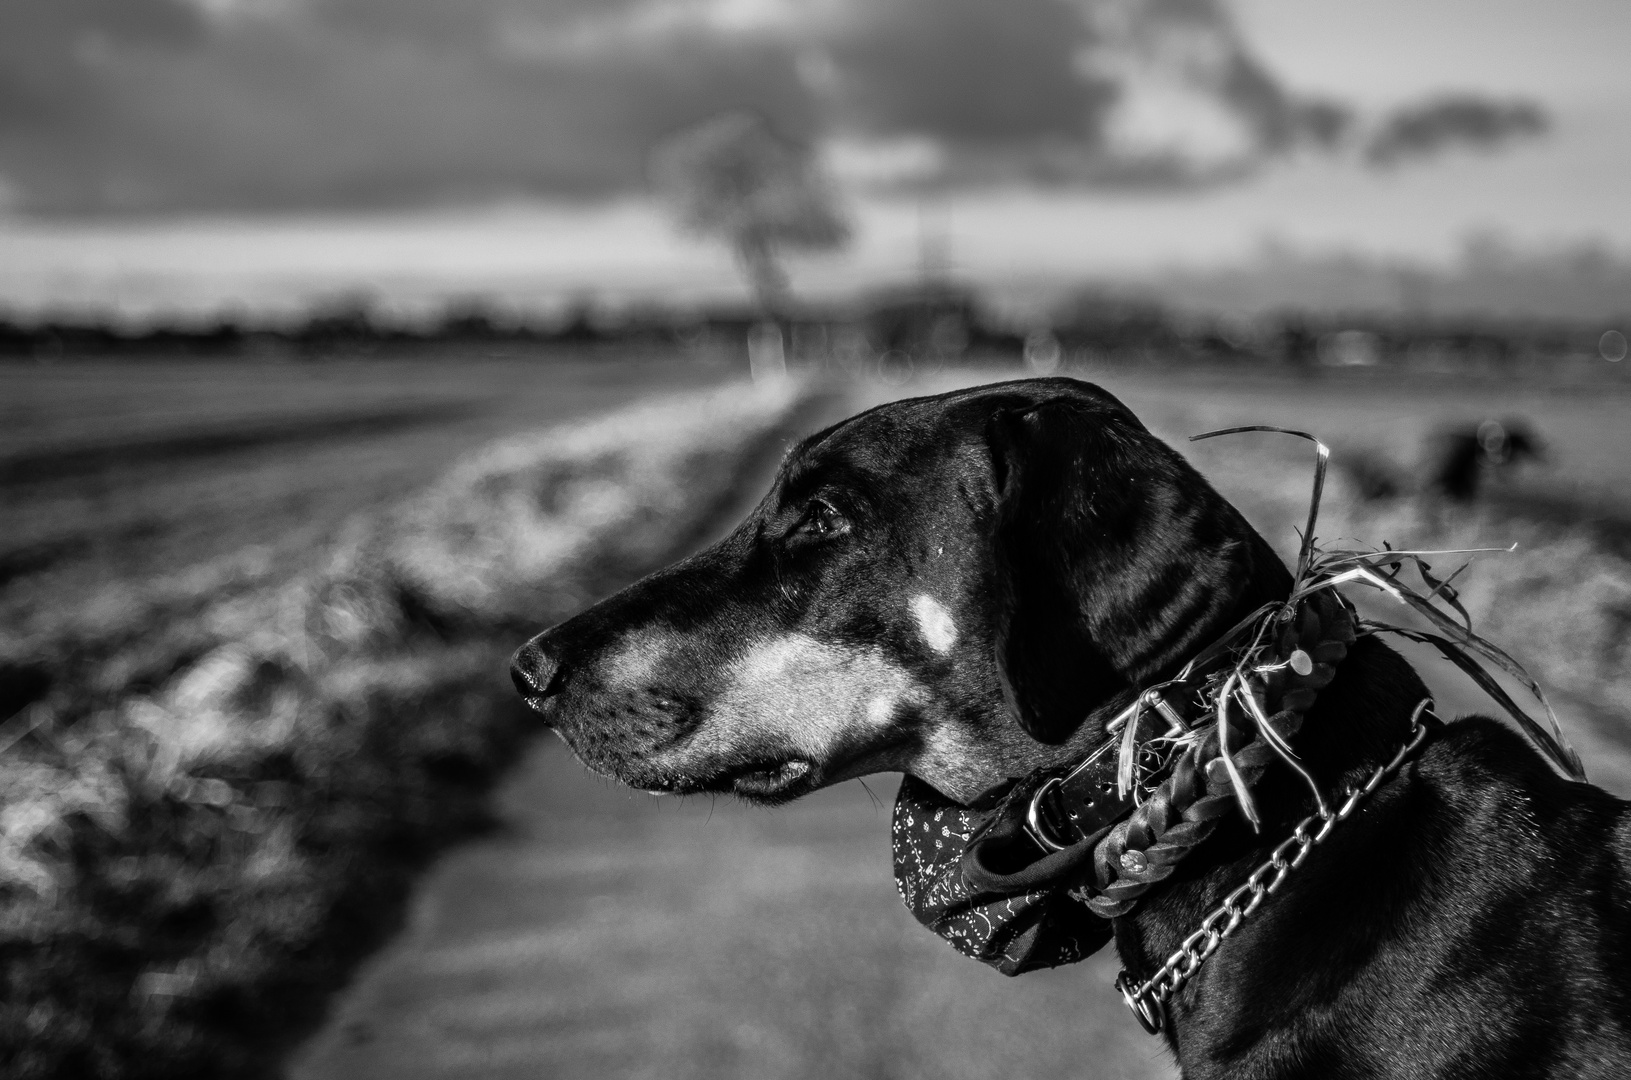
column 966, row 765
column 1358, row 722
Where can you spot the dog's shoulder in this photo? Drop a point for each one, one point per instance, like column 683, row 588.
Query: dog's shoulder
column 1483, row 765
column 1551, row 855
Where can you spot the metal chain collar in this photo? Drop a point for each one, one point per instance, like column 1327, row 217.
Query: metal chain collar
column 1149, row 1001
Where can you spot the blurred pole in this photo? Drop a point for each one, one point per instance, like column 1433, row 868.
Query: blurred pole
column 767, row 352
column 933, row 245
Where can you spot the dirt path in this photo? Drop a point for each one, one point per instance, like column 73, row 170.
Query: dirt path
column 603, row 934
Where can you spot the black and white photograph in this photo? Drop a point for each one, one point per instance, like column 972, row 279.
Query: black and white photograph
column 815, row 540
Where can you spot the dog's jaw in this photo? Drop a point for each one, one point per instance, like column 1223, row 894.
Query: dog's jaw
column 818, row 695
column 792, row 714
column 779, row 784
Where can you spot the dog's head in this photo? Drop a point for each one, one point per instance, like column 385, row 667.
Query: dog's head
column 958, row 587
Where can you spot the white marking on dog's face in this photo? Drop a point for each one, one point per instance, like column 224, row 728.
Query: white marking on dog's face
column 934, row 623
column 807, row 694
column 634, row 663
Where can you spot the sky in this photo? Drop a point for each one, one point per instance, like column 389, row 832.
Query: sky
column 264, row 153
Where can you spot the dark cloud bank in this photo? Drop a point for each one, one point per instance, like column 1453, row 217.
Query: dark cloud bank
column 1449, row 122
column 152, row 105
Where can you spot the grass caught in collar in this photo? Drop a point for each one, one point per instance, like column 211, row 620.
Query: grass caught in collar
column 1387, row 570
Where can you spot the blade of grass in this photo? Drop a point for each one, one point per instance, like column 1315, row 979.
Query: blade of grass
column 1557, row 748
column 1321, row 460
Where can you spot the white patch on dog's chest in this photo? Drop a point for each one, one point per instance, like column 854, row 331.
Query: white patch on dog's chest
column 934, row 623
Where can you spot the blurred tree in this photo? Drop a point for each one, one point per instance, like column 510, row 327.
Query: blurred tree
column 735, row 179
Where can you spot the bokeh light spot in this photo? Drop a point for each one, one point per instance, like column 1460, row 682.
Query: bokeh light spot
column 1611, row 346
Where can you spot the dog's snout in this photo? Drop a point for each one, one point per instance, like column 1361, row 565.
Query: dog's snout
column 534, row 671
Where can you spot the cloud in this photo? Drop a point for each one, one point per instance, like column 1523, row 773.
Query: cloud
column 157, row 105
column 1452, row 122
column 360, row 103
column 48, row 47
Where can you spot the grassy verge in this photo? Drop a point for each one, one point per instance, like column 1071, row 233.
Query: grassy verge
column 214, row 787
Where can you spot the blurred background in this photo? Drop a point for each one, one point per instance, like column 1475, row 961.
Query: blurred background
column 345, row 343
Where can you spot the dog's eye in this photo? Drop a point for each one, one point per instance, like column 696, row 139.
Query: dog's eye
column 820, row 519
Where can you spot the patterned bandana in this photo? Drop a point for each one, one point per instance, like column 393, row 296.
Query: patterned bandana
column 972, row 876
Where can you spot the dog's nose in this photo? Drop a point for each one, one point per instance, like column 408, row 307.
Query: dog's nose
column 534, row 672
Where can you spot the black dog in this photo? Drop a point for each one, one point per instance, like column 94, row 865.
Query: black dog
column 1466, row 457
column 965, row 588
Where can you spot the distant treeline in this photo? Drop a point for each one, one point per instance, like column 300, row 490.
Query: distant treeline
column 931, row 324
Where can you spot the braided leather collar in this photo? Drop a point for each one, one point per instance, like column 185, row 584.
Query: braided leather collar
column 1158, row 785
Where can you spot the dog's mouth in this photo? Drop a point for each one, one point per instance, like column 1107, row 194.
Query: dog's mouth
column 767, row 781
column 777, row 783
column 769, row 775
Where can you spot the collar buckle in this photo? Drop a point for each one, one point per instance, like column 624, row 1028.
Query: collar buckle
column 1035, row 826
column 1085, row 802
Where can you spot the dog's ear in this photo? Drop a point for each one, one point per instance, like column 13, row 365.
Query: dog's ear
column 1113, row 560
